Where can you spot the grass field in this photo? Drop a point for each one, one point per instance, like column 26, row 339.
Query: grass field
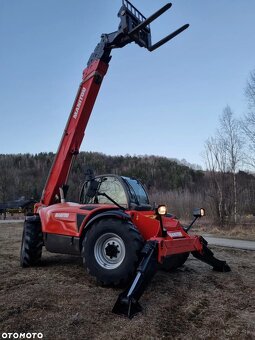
column 62, row 301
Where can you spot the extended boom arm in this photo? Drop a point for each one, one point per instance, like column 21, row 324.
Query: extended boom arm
column 134, row 27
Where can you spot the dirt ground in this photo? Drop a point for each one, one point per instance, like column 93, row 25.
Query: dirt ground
column 60, row 300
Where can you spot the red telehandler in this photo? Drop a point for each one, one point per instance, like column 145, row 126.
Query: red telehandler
column 121, row 237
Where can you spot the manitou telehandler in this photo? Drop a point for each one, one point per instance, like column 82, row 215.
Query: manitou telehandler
column 121, row 237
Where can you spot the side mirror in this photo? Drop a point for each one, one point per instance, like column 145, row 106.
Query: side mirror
column 198, row 212
column 89, row 190
column 92, row 189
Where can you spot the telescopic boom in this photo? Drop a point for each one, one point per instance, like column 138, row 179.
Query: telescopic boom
column 134, row 27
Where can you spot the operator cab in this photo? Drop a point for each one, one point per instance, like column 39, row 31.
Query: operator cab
column 125, row 192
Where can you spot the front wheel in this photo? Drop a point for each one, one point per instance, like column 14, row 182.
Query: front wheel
column 32, row 242
column 111, row 250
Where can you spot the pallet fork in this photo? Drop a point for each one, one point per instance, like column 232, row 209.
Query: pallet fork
column 134, row 27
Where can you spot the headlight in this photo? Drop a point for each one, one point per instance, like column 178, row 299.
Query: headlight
column 161, row 210
column 200, row 212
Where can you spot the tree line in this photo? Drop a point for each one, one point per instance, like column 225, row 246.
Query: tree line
column 179, row 186
column 26, row 174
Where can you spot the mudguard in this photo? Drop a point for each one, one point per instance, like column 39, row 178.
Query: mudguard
column 110, row 213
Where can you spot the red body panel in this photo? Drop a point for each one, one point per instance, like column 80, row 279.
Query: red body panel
column 146, row 223
column 170, row 246
column 61, row 219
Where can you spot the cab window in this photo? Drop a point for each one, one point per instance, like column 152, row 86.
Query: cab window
column 137, row 193
column 114, row 189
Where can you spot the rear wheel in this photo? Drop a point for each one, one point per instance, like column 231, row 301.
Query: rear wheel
column 111, row 250
column 174, row 261
column 32, row 242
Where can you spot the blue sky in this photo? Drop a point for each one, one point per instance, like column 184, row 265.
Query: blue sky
column 165, row 103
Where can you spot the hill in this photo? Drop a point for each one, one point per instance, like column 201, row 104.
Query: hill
column 167, row 181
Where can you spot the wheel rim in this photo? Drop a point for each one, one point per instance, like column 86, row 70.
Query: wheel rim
column 109, row 251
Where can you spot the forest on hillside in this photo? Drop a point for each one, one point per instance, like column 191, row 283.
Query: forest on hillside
column 179, row 186
column 25, row 175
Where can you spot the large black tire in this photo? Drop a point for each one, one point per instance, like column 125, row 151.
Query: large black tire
column 111, row 250
column 173, row 262
column 32, row 242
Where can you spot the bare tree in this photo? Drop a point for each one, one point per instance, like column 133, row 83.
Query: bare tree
column 223, row 158
column 250, row 90
column 248, row 122
column 216, row 163
column 229, row 132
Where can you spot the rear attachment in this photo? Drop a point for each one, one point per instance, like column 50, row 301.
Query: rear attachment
column 127, row 303
column 207, row 256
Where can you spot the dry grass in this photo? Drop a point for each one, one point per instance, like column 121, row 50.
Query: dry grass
column 242, row 232
column 60, row 300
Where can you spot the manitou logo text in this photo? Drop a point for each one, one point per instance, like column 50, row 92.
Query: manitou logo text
column 62, row 215
column 76, row 111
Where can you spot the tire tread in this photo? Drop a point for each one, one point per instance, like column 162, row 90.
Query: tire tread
column 31, row 246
